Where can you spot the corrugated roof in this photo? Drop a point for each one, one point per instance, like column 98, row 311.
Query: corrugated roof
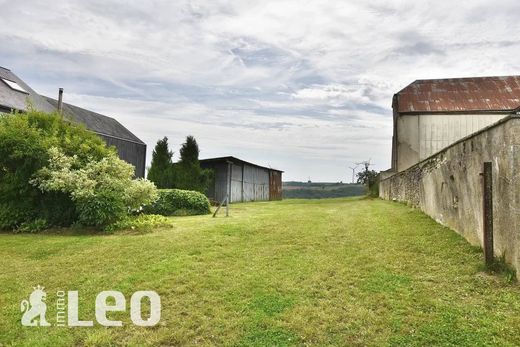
column 498, row 94
column 234, row 160
column 95, row 122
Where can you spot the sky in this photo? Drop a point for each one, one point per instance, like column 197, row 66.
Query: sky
column 301, row 86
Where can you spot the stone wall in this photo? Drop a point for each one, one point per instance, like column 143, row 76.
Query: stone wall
column 448, row 186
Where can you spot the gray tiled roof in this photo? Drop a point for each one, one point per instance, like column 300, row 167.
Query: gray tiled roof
column 14, row 99
column 98, row 123
column 95, row 122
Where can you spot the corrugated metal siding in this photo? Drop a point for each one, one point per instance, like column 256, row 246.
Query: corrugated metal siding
column 131, row 152
column 256, row 184
column 420, row 136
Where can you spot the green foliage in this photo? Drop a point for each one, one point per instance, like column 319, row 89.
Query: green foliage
column 104, row 191
column 33, row 226
column 370, row 179
column 179, row 202
column 141, row 222
column 187, row 172
column 161, row 170
column 190, row 151
column 24, row 143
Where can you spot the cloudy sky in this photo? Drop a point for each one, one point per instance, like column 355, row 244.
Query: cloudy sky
column 303, row 86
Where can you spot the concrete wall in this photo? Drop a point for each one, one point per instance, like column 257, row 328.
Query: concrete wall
column 420, row 136
column 448, row 187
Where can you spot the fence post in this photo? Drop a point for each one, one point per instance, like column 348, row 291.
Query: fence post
column 488, row 213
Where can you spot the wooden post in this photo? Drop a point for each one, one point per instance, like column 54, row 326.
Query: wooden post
column 243, row 166
column 228, row 188
column 488, row 212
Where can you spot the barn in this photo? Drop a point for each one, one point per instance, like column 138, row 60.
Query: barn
column 430, row 115
column 15, row 95
column 242, row 180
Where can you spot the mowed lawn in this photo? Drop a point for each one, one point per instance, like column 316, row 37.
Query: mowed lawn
column 338, row 272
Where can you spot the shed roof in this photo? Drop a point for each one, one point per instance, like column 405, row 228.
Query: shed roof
column 474, row 94
column 234, row 160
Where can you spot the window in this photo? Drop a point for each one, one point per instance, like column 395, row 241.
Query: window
column 14, row 86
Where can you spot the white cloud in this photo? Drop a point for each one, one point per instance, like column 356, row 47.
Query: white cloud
column 303, row 86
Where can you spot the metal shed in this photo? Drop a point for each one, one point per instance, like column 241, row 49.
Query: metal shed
column 15, row 94
column 242, row 180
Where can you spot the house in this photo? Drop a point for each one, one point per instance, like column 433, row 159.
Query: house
column 243, row 181
column 430, row 115
column 15, row 95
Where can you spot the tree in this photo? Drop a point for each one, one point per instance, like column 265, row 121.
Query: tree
column 367, row 177
column 189, row 151
column 161, row 169
column 370, row 179
column 187, row 172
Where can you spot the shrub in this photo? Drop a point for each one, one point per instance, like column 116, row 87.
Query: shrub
column 34, row 226
column 103, row 191
column 142, row 222
column 179, row 202
column 24, row 143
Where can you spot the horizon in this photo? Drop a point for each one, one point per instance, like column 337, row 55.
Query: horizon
column 306, row 89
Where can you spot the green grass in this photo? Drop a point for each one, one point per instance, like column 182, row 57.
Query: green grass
column 331, row 272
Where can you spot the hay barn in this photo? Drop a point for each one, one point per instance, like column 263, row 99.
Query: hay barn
column 243, row 181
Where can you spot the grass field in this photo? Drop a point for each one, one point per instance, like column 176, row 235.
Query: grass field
column 323, row 272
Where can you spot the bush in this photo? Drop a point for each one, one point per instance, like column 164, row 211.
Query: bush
column 34, row 226
column 179, row 202
column 103, row 191
column 25, row 140
column 142, row 222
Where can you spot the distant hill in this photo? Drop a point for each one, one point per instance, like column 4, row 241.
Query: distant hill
column 320, row 190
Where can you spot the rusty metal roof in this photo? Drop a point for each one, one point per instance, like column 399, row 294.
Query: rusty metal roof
column 491, row 94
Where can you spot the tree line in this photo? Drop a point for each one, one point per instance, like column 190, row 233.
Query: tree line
column 186, row 173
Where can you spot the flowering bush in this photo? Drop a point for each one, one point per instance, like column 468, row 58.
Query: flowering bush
column 102, row 190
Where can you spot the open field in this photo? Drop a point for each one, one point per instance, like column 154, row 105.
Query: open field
column 317, row 190
column 320, row 272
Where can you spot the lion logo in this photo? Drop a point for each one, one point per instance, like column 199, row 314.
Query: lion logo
column 34, row 310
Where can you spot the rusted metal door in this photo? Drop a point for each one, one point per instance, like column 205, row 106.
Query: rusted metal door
column 275, row 185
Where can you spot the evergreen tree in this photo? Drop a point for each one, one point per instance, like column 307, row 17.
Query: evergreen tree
column 161, row 169
column 188, row 173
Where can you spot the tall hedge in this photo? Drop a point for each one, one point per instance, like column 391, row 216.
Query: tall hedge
column 25, row 140
column 179, row 202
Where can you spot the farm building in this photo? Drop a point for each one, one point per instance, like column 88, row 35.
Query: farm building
column 243, row 181
column 455, row 156
column 15, row 95
column 429, row 115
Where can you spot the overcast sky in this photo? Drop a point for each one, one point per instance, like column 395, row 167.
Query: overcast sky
column 302, row 86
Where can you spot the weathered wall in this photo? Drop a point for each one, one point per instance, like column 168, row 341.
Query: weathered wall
column 131, row 152
column 420, row 136
column 448, row 187
column 248, row 183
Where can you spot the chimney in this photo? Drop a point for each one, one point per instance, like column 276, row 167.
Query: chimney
column 60, row 101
